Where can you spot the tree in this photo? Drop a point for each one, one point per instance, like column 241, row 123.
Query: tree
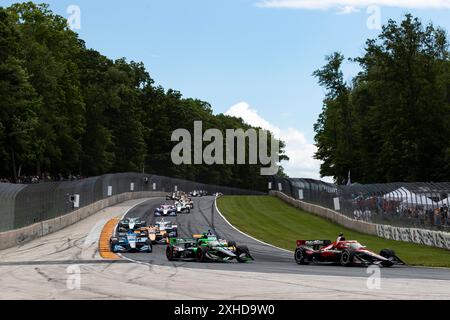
column 393, row 123
column 67, row 109
column 18, row 120
column 334, row 128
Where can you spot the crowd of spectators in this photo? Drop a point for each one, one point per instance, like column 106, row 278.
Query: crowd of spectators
column 45, row 177
column 394, row 212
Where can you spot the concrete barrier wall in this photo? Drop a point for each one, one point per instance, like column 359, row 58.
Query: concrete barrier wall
column 419, row 236
column 16, row 237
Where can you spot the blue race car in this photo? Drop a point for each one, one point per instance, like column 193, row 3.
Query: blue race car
column 165, row 210
column 131, row 241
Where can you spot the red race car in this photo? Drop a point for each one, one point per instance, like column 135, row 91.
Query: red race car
column 346, row 253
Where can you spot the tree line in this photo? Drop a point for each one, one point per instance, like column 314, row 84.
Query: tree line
column 392, row 121
column 67, row 109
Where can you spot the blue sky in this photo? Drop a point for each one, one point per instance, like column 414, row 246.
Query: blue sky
column 252, row 56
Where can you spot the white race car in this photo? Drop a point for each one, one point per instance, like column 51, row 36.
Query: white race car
column 182, row 207
column 165, row 210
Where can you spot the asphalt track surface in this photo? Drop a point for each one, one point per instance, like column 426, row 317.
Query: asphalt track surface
column 45, row 268
column 268, row 259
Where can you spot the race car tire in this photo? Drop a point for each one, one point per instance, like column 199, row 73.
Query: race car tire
column 387, row 253
column 347, row 258
column 240, row 250
column 299, row 256
column 112, row 245
column 201, row 254
column 150, row 246
column 390, row 255
column 169, row 253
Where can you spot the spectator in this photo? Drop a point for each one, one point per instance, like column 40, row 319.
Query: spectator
column 444, row 214
column 430, row 217
column 437, row 217
column 367, row 215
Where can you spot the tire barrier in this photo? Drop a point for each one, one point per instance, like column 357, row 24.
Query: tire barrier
column 420, row 236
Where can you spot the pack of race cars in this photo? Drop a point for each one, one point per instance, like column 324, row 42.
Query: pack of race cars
column 133, row 235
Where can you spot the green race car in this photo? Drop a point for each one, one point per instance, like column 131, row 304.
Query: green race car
column 206, row 247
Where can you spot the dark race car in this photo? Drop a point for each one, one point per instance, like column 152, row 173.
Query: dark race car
column 206, row 247
column 345, row 253
column 165, row 210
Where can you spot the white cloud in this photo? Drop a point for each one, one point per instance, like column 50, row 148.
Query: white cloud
column 300, row 151
column 348, row 10
column 349, row 6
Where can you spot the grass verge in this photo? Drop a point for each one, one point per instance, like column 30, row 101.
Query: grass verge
column 271, row 220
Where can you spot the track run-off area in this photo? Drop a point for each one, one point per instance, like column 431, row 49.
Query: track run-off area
column 67, row 265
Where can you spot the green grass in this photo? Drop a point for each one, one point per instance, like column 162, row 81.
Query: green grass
column 271, row 220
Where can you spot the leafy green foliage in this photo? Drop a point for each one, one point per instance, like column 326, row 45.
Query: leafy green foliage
column 70, row 110
column 392, row 122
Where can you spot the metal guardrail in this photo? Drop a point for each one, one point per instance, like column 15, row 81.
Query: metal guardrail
column 23, row 205
column 416, row 205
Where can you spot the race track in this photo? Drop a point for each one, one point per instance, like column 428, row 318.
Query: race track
column 45, row 268
column 267, row 259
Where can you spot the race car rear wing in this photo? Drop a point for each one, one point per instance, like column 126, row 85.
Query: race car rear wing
column 315, row 244
column 180, row 241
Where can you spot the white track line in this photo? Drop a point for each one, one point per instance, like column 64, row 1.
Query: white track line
column 249, row 236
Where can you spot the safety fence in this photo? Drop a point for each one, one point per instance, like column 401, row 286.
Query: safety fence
column 24, row 205
column 412, row 205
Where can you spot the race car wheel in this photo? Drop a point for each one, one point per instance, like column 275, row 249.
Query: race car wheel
column 242, row 250
column 387, row 253
column 112, row 245
column 346, row 258
column 300, row 256
column 201, row 254
column 390, row 255
column 150, row 247
column 169, row 253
